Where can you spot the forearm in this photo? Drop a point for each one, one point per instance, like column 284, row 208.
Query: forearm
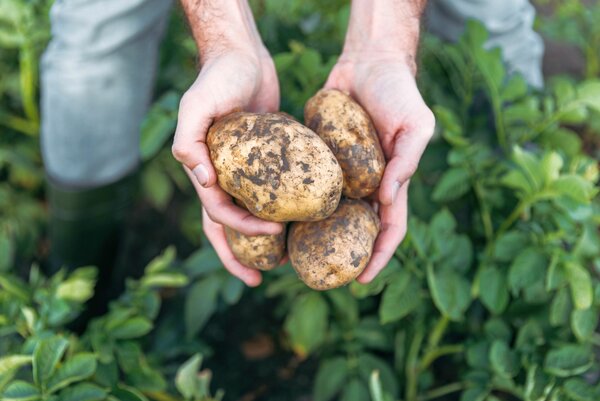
column 385, row 28
column 219, row 26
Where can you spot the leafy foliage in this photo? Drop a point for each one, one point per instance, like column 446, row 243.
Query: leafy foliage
column 493, row 295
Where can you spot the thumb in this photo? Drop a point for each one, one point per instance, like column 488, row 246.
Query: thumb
column 189, row 145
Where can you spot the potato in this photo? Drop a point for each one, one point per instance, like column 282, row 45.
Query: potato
column 348, row 131
column 261, row 252
column 330, row 253
column 278, row 168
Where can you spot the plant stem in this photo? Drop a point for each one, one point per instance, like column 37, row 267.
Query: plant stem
column 442, row 391
column 486, row 217
column 435, row 353
column 412, row 365
column 160, row 396
column 506, row 224
column 438, row 331
column 29, row 77
column 19, row 124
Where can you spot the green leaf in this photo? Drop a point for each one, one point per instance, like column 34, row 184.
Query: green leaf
column 7, row 252
column 450, row 291
column 232, row 291
column 478, row 355
column 10, row 362
column 453, row 184
column 76, row 289
column 401, row 297
column 134, row 327
column 579, row 390
column 330, row 378
column 15, row 287
column 19, row 390
column 536, row 384
column 584, row 323
column 83, row 392
column 368, row 363
column 76, row 368
column 165, row 280
column 157, row 186
column 528, row 268
column 574, row 187
column 503, row 360
column 306, row 324
column 158, row 126
column 375, row 387
column 514, row 89
column 493, row 290
column 580, row 283
column 588, row 93
column 46, row 356
column 345, row 306
column 509, row 244
column 378, row 284
column 125, row 393
column 568, row 360
column 186, row 379
column 560, row 308
column 162, row 261
column 200, row 304
column 530, row 335
column 355, row 390
column 530, row 165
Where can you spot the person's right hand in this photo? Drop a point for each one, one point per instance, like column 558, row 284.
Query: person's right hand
column 232, row 80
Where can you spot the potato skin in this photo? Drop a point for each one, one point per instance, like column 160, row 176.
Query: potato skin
column 331, row 253
column 348, row 131
column 278, row 168
column 261, row 252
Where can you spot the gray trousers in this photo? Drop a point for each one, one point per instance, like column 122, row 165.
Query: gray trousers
column 98, row 71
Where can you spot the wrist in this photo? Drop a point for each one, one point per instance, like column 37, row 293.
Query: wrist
column 384, row 30
column 220, row 27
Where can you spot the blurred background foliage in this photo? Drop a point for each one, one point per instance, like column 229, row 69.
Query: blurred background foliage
column 494, row 294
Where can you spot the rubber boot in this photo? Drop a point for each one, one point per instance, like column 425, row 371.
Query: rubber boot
column 86, row 228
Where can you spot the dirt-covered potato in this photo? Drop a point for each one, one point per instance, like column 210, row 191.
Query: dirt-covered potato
column 278, row 168
column 332, row 252
column 348, row 131
column 262, row 252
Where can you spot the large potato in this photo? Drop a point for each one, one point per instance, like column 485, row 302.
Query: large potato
column 278, row 168
column 348, row 131
column 262, row 252
column 333, row 252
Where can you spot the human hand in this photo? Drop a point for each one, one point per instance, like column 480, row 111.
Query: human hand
column 385, row 86
column 237, row 74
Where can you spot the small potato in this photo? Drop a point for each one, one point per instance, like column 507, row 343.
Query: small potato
column 261, row 252
column 348, row 131
column 331, row 253
column 278, row 168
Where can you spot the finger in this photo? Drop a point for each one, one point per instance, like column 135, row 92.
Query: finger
column 221, row 209
column 284, row 260
column 216, row 235
column 393, row 230
column 408, row 147
column 193, row 121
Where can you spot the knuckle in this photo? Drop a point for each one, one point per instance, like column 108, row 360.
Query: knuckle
column 180, row 152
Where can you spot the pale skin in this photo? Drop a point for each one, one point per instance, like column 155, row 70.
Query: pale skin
column 377, row 67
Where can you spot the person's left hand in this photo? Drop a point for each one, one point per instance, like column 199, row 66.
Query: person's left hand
column 384, row 84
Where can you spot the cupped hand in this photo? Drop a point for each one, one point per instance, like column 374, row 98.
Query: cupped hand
column 233, row 80
column 384, row 84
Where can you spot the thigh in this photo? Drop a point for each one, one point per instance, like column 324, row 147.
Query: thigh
column 96, row 82
column 510, row 26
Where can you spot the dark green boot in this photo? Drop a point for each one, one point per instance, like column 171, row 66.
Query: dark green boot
column 86, row 228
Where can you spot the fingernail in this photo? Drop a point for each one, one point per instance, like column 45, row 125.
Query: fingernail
column 201, row 174
column 395, row 189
